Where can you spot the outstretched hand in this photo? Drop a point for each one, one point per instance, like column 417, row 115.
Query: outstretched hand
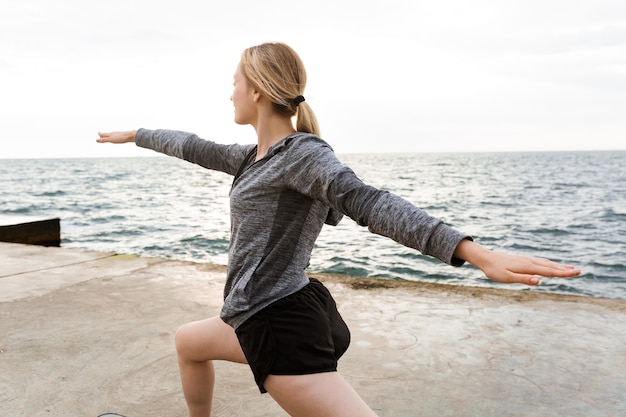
column 509, row 269
column 503, row 267
column 116, row 137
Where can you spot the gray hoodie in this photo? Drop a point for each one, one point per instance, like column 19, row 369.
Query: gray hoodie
column 279, row 204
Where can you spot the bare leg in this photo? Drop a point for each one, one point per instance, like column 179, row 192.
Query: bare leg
column 197, row 344
column 325, row 394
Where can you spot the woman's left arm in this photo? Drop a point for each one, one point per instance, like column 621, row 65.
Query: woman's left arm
column 507, row 268
column 318, row 174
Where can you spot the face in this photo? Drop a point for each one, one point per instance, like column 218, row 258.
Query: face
column 243, row 99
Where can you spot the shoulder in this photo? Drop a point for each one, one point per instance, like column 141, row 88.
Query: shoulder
column 306, row 143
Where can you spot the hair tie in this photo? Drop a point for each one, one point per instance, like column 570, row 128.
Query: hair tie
column 296, row 101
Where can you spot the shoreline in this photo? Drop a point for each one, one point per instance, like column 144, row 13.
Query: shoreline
column 519, row 295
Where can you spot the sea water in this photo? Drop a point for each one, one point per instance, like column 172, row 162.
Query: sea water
column 565, row 206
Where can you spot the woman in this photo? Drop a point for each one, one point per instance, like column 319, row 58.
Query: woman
column 285, row 188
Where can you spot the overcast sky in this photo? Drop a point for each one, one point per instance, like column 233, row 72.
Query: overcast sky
column 384, row 76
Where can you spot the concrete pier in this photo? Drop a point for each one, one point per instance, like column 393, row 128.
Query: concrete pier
column 31, row 230
column 84, row 333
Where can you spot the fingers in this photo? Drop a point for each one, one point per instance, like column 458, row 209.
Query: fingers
column 533, row 280
column 525, row 270
column 116, row 137
column 547, row 268
column 516, row 278
column 102, row 137
column 529, row 280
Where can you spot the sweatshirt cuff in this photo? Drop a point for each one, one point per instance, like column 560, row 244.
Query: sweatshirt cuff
column 444, row 241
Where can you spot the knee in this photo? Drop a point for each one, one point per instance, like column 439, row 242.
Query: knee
column 182, row 340
column 203, row 340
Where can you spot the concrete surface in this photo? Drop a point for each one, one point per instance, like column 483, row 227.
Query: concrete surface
column 85, row 333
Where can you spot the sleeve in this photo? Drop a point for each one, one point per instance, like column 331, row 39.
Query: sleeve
column 191, row 148
column 317, row 173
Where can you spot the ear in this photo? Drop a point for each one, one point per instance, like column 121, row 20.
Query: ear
column 256, row 96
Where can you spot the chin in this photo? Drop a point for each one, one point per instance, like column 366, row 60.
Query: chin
column 241, row 121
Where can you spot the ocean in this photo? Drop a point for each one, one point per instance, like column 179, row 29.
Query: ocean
column 565, row 206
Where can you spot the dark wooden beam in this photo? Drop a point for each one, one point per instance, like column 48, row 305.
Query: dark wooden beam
column 33, row 231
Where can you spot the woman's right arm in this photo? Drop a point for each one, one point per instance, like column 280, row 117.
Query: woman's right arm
column 168, row 142
column 183, row 145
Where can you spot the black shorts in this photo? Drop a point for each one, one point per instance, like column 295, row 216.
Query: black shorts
column 300, row 334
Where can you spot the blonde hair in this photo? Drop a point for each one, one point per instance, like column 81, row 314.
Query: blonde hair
column 277, row 71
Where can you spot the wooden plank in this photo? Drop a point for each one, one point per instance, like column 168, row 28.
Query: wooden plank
column 29, row 230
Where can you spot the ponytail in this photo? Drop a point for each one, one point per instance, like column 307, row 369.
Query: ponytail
column 306, row 120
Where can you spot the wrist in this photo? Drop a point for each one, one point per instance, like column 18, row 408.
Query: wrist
column 472, row 252
column 131, row 135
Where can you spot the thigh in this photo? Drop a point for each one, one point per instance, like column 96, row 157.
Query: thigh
column 209, row 339
column 325, row 394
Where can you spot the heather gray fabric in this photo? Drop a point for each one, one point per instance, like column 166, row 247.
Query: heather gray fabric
column 279, row 204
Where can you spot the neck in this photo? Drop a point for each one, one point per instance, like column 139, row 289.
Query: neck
column 270, row 131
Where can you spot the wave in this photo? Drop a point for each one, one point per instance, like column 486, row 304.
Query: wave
column 56, row 193
column 613, row 214
column 555, row 232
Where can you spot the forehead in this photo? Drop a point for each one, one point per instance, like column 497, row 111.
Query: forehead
column 238, row 71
